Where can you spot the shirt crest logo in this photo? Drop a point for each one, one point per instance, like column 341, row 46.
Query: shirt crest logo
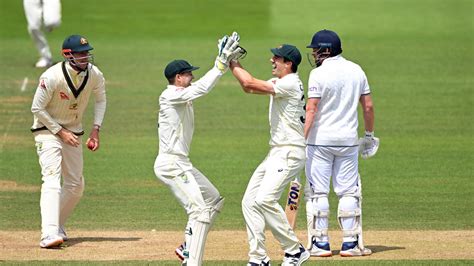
column 63, row 96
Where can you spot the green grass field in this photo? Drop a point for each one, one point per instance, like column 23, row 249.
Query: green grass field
column 418, row 56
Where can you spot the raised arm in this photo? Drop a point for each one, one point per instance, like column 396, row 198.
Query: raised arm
column 248, row 82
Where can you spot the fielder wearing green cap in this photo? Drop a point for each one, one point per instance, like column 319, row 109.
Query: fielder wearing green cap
column 198, row 196
column 58, row 107
column 284, row 161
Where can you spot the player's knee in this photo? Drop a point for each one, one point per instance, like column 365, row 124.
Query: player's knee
column 348, row 203
column 321, row 203
column 75, row 188
column 51, row 183
column 264, row 200
column 34, row 30
column 248, row 201
column 52, row 23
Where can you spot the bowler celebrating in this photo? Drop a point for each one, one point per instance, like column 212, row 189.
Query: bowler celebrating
column 283, row 162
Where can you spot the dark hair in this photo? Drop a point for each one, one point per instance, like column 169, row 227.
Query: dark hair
column 171, row 80
column 294, row 67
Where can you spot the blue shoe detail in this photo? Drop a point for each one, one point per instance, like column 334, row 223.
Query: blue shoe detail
column 348, row 245
column 322, row 245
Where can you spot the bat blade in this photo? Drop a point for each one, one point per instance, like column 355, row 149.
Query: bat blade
column 291, row 209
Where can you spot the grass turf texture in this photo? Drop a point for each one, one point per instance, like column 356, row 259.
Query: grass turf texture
column 417, row 55
column 231, row 263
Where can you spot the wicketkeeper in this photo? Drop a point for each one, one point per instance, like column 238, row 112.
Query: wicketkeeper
column 335, row 88
column 192, row 189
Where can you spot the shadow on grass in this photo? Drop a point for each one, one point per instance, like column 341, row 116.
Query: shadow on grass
column 375, row 249
column 78, row 240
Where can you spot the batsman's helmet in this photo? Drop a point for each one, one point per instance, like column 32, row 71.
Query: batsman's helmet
column 76, row 43
column 326, row 39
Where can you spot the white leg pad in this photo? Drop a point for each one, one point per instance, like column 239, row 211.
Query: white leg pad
column 348, row 215
column 320, row 212
column 200, row 229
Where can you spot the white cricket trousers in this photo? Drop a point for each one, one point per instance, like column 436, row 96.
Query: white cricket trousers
column 39, row 13
column 198, row 196
column 58, row 159
column 260, row 202
column 340, row 163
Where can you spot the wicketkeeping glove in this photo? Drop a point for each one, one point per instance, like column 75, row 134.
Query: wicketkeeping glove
column 368, row 145
column 226, row 47
column 239, row 52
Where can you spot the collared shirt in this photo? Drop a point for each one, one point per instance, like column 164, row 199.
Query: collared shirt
column 286, row 112
column 338, row 83
column 176, row 116
column 61, row 102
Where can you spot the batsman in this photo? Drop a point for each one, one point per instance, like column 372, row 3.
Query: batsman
column 335, row 88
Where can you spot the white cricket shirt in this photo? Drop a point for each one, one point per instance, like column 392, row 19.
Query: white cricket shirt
column 62, row 97
column 176, row 116
column 286, row 112
column 338, row 83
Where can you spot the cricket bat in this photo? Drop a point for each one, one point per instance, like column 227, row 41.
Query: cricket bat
column 291, row 209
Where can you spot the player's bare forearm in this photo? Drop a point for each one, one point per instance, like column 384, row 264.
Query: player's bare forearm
column 308, row 123
column 248, row 83
column 311, row 108
column 368, row 112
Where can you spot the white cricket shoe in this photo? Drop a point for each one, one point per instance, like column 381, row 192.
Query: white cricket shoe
column 320, row 249
column 51, row 241
column 43, row 62
column 296, row 259
column 351, row 249
column 265, row 262
column 62, row 234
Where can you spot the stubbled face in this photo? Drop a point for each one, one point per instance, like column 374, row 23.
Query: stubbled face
column 79, row 60
column 278, row 66
column 184, row 79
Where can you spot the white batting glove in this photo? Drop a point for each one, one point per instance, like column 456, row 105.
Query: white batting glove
column 226, row 47
column 368, row 145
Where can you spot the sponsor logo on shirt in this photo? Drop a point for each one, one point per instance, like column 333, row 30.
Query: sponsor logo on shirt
column 312, row 88
column 42, row 84
column 73, row 106
column 63, row 96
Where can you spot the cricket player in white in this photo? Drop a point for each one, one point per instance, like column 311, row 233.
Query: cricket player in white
column 335, row 88
column 284, row 161
column 58, row 107
column 42, row 15
column 200, row 199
